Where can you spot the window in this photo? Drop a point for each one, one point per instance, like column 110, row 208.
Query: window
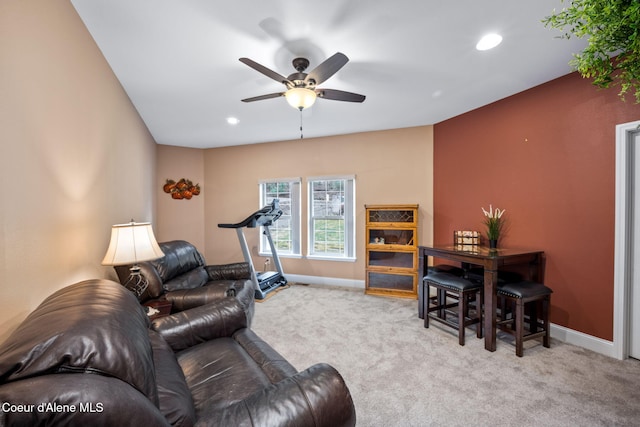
column 332, row 217
column 285, row 232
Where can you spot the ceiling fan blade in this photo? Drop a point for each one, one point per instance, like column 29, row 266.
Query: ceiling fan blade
column 261, row 97
column 328, row 68
column 264, row 70
column 340, row 95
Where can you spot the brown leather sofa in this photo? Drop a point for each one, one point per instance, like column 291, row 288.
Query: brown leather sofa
column 183, row 278
column 88, row 355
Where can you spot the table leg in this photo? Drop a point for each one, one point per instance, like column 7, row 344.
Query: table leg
column 490, row 302
column 423, row 265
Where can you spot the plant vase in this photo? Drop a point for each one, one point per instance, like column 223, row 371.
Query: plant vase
column 493, row 243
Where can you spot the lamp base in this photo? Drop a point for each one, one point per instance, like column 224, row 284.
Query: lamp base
column 136, row 282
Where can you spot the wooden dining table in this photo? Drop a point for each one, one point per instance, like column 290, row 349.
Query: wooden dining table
column 491, row 260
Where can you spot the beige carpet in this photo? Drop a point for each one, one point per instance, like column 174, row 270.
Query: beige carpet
column 401, row 374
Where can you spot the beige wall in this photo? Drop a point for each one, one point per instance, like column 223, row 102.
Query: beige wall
column 75, row 157
column 390, row 166
column 180, row 219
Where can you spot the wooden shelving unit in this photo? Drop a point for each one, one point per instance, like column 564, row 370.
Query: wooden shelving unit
column 392, row 250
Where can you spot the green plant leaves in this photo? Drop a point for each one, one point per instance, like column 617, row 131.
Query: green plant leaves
column 611, row 27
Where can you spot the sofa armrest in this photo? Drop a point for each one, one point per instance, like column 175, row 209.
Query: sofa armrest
column 184, row 299
column 196, row 325
column 315, row 397
column 235, row 271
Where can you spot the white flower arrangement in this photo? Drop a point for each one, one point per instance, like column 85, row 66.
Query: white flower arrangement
column 493, row 221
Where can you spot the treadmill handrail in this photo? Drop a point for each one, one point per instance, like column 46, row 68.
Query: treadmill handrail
column 265, row 216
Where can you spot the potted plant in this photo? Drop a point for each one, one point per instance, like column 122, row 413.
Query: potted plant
column 494, row 224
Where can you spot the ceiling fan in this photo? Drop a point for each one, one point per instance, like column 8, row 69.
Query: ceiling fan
column 302, row 89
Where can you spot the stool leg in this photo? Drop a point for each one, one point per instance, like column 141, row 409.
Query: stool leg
column 463, row 308
column 502, row 303
column 532, row 310
column 545, row 318
column 425, row 302
column 519, row 326
column 441, row 298
column 479, row 310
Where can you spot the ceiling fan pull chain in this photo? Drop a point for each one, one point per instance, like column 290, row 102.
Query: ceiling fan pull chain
column 301, row 136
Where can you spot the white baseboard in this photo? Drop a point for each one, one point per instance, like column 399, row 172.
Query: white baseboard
column 326, row 281
column 560, row 333
column 583, row 340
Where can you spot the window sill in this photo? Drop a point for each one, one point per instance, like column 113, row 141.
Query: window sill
column 330, row 258
column 270, row 255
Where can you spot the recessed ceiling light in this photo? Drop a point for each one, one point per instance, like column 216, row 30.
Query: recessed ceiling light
column 233, row 120
column 489, row 41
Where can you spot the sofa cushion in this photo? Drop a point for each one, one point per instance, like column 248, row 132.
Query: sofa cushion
column 191, row 279
column 174, row 397
column 95, row 326
column 216, row 382
column 316, row 396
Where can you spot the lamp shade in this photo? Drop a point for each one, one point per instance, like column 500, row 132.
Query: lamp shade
column 131, row 243
column 300, row 98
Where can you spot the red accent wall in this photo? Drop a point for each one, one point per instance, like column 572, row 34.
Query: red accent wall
column 547, row 156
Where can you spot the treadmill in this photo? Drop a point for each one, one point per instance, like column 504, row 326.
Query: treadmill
column 265, row 281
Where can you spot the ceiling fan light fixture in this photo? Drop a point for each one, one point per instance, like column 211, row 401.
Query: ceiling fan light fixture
column 300, row 98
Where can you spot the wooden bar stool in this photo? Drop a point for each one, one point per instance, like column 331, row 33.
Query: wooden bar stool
column 536, row 297
column 452, row 287
column 440, row 268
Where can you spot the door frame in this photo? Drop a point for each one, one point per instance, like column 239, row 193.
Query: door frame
column 622, row 276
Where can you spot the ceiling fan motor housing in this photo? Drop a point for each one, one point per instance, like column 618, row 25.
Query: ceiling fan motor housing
column 298, row 80
column 300, row 64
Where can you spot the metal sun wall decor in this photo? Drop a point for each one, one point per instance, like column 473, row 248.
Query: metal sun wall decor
column 183, row 189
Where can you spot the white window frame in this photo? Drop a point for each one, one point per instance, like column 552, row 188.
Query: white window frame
column 294, row 218
column 347, row 214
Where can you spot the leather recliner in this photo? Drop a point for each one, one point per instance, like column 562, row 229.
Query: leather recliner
column 183, row 278
column 88, row 355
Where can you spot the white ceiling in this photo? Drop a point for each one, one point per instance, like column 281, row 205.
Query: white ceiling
column 415, row 60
